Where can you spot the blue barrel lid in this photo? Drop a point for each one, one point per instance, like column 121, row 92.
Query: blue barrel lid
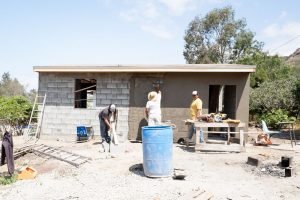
column 156, row 127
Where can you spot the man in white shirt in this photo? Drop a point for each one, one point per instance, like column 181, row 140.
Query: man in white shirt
column 153, row 113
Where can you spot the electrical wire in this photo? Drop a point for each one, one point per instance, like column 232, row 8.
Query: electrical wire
column 287, row 42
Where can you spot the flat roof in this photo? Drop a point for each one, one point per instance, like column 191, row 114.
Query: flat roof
column 148, row 68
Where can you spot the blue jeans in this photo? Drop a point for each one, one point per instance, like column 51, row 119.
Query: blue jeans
column 192, row 130
column 104, row 131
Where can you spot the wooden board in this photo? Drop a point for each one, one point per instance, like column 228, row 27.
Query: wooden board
column 219, row 148
column 198, row 194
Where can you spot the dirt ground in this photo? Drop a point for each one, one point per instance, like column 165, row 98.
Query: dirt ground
column 226, row 176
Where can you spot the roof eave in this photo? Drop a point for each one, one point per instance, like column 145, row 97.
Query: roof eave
column 140, row 70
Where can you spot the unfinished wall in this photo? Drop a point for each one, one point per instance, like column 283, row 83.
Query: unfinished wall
column 61, row 118
column 176, row 97
column 129, row 92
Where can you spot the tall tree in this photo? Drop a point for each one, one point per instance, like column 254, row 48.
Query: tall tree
column 14, row 113
column 10, row 87
column 268, row 68
column 218, row 38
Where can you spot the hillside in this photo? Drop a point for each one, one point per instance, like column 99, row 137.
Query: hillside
column 294, row 59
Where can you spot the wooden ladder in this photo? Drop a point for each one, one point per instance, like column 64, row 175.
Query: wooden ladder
column 36, row 117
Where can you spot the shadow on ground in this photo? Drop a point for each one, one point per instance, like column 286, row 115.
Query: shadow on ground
column 96, row 143
column 137, row 169
column 190, row 148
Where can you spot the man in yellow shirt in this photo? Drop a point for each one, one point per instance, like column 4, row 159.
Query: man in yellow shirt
column 195, row 114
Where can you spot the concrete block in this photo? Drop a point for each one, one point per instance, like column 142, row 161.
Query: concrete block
column 101, row 85
column 63, row 95
column 125, row 91
column 51, row 115
column 288, row 172
column 67, row 101
column 105, row 102
column 255, row 161
column 111, row 96
column 52, row 89
column 70, row 85
column 111, row 85
column 115, row 80
column 106, row 91
column 61, row 85
column 118, row 102
column 53, row 94
column 52, row 84
column 116, row 91
column 122, row 85
column 286, row 161
column 125, row 102
column 123, row 96
column 70, row 96
column 101, row 96
column 67, row 90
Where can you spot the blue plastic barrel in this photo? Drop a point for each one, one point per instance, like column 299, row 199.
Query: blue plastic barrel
column 157, row 151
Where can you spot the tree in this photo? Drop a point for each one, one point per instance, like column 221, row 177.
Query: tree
column 14, row 112
column 274, row 95
column 10, row 87
column 297, row 95
column 218, row 38
column 268, row 68
column 31, row 95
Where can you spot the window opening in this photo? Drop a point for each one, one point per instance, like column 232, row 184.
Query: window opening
column 85, row 93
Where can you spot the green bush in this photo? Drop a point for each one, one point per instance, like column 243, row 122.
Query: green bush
column 276, row 95
column 275, row 116
column 6, row 180
column 15, row 112
column 297, row 95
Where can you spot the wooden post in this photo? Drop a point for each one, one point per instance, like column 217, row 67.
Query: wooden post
column 228, row 135
column 242, row 142
column 197, row 135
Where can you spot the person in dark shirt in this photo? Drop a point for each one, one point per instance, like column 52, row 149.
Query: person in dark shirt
column 105, row 124
column 7, row 152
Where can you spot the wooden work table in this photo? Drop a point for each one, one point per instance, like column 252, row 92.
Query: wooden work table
column 240, row 126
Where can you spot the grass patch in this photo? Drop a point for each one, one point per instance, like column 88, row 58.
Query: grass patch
column 6, row 180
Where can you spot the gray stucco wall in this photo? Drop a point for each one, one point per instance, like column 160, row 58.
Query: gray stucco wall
column 129, row 92
column 176, row 97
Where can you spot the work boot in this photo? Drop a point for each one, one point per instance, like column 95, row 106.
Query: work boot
column 102, row 147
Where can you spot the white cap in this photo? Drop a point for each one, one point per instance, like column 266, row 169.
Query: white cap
column 195, row 93
column 112, row 107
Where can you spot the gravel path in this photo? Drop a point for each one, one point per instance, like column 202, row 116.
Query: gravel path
column 226, row 176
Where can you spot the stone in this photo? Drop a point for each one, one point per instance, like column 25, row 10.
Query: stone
column 255, row 161
column 288, row 172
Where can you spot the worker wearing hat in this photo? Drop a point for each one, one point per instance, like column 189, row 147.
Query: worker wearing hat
column 152, row 110
column 195, row 114
column 105, row 124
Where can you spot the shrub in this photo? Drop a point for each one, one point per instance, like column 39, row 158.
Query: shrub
column 6, row 180
column 14, row 112
column 275, row 116
column 276, row 95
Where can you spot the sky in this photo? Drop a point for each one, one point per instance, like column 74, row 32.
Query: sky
column 91, row 32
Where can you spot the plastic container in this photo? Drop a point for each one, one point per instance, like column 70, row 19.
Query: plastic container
column 27, row 173
column 157, row 151
column 84, row 132
column 81, row 131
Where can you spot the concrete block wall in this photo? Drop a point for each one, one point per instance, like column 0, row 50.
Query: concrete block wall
column 60, row 116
